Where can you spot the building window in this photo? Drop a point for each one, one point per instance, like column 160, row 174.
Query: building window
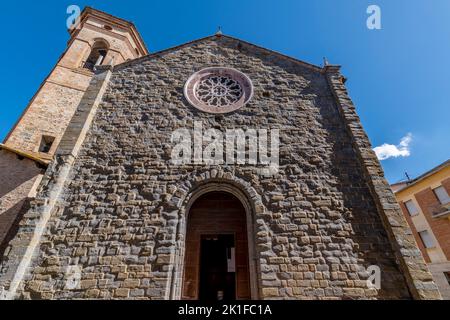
column 411, row 207
column 447, row 276
column 46, row 144
column 442, row 195
column 426, row 238
column 97, row 55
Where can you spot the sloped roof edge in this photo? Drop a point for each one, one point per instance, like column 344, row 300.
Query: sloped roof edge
column 423, row 176
column 159, row 53
column 24, row 154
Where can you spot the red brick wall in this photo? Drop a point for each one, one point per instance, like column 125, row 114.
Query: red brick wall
column 440, row 226
column 446, row 185
column 415, row 233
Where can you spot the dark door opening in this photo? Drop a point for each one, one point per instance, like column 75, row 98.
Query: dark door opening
column 217, row 268
column 216, row 225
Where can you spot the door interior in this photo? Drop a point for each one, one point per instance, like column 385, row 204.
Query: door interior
column 216, row 262
column 217, row 268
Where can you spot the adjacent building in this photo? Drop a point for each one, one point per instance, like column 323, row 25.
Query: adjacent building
column 425, row 203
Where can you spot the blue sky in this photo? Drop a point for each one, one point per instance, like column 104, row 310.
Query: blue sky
column 398, row 76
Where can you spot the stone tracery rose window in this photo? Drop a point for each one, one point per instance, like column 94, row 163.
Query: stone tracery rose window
column 218, row 90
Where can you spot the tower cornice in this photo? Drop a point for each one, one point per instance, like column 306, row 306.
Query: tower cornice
column 109, row 19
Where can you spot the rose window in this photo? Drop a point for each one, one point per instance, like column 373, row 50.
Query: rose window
column 218, row 90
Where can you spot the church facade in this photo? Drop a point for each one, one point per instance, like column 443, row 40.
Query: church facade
column 128, row 192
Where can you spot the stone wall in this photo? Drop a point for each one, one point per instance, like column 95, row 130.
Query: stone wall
column 120, row 218
column 408, row 255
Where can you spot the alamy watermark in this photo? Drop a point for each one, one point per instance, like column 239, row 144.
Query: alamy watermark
column 73, row 278
column 374, row 20
column 73, row 21
column 233, row 147
column 374, row 279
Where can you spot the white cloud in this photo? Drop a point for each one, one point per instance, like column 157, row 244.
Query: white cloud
column 387, row 151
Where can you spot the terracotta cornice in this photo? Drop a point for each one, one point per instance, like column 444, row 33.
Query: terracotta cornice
column 30, row 156
column 110, row 19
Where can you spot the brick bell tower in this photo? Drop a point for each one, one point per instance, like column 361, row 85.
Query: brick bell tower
column 29, row 147
column 99, row 39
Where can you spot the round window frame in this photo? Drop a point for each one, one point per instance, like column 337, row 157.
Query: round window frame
column 243, row 80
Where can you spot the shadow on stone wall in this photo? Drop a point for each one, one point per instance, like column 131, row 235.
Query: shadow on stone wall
column 9, row 224
column 369, row 240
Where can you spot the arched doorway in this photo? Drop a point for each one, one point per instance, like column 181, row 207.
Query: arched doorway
column 217, row 253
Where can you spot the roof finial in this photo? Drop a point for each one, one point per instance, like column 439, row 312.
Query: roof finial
column 325, row 61
column 219, row 31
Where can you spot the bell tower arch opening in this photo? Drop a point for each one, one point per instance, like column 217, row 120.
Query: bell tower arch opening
column 97, row 55
column 217, row 259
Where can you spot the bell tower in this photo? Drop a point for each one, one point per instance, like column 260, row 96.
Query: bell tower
column 99, row 39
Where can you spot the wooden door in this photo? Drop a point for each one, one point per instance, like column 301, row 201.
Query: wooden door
column 216, row 214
